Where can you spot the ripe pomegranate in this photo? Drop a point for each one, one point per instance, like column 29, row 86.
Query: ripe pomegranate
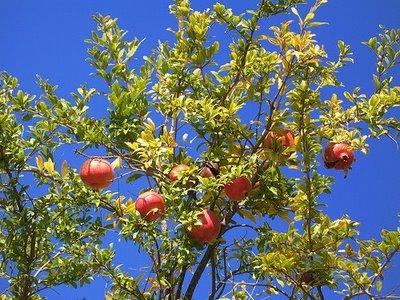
column 209, row 229
column 339, row 156
column 97, row 173
column 284, row 137
column 175, row 171
column 238, row 188
column 210, row 169
column 150, row 205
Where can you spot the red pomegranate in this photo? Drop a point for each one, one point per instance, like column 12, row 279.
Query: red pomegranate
column 97, row 173
column 339, row 156
column 209, row 229
column 150, row 205
column 175, row 171
column 284, row 137
column 238, row 188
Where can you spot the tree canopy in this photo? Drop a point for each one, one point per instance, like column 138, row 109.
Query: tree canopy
column 215, row 184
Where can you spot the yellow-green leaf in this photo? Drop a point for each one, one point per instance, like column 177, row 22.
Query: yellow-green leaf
column 39, row 163
column 150, row 125
column 132, row 146
column 379, row 286
column 49, row 166
column 64, row 169
column 117, row 163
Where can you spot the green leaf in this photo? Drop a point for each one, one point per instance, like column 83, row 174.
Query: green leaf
column 247, row 215
column 134, row 177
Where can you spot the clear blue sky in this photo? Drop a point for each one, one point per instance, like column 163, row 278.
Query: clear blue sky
column 46, row 37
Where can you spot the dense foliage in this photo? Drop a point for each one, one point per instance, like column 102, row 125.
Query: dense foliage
column 183, row 106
